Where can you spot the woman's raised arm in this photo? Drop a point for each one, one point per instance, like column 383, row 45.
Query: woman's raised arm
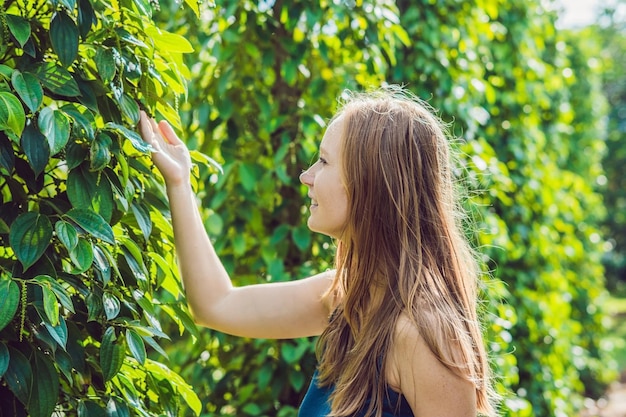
column 273, row 310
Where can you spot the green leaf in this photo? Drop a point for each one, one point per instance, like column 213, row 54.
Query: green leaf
column 4, row 358
column 35, row 148
column 142, row 215
column 89, row 190
column 64, row 37
column 19, row 375
column 167, row 41
column 57, row 79
column 99, row 152
column 82, row 255
column 50, row 305
column 129, row 108
column 9, row 301
column 111, row 354
column 7, row 153
column 105, row 63
column 161, row 371
column 19, row 27
column 136, row 345
column 12, row 116
column 28, row 88
column 86, row 17
column 45, row 391
column 58, row 289
column 92, row 223
column 111, row 305
column 30, row 236
column 55, row 126
column 301, row 237
column 134, row 137
column 67, row 234
column 117, row 408
column 58, row 332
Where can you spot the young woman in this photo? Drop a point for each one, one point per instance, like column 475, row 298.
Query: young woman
column 399, row 332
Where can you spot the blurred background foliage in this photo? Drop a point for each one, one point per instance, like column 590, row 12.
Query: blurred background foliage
column 539, row 114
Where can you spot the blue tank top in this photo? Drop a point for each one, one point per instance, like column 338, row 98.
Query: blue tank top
column 316, row 404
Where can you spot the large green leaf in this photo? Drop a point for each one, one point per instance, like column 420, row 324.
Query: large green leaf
column 58, row 289
column 99, row 152
column 111, row 305
column 142, row 215
column 86, row 17
column 19, row 27
column 12, row 116
column 9, row 301
column 134, row 138
column 19, row 375
column 105, row 62
column 35, row 148
column 59, row 332
column 55, row 126
column 67, row 234
column 28, row 88
column 136, row 345
column 82, row 255
column 57, row 79
column 30, row 236
column 111, row 354
column 50, row 305
column 64, row 37
column 88, row 190
column 45, row 391
column 92, row 223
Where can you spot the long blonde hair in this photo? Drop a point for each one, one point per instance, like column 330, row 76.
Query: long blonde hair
column 403, row 238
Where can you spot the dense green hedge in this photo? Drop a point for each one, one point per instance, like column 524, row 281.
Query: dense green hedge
column 521, row 96
column 86, row 263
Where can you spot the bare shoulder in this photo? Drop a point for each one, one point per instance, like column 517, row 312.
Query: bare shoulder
column 423, row 379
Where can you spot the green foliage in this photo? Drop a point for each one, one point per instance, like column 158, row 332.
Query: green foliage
column 87, row 275
column 610, row 33
column 265, row 77
column 528, row 105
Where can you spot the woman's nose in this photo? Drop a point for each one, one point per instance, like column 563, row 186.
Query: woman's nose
column 306, row 177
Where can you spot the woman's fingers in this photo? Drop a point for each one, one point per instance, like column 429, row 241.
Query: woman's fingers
column 168, row 133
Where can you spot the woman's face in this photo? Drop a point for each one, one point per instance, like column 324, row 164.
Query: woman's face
column 329, row 200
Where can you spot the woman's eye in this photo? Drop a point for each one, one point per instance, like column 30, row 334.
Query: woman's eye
column 322, row 161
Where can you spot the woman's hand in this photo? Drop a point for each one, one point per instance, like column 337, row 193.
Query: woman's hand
column 170, row 155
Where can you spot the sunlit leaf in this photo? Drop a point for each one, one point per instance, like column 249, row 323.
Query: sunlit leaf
column 19, row 27
column 111, row 305
column 12, row 116
column 92, row 223
column 67, row 234
column 28, row 88
column 136, row 345
column 50, row 305
column 55, row 125
column 57, row 79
